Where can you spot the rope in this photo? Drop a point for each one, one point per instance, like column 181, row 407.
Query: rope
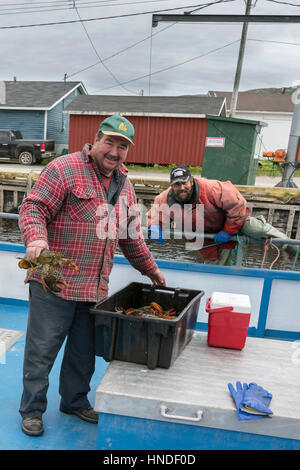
column 296, row 257
column 268, row 243
column 266, row 247
column 278, row 254
column 246, row 241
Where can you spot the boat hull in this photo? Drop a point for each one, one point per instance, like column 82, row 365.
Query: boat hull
column 275, row 300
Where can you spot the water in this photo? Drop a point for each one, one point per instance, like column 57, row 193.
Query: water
column 9, row 231
column 175, row 250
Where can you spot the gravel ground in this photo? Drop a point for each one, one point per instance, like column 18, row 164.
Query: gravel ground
column 263, row 181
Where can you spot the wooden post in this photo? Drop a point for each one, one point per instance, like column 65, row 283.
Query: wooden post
column 29, row 183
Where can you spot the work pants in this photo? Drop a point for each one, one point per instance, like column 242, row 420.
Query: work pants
column 52, row 319
column 257, row 228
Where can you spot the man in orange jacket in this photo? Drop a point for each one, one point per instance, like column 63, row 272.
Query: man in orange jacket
column 224, row 211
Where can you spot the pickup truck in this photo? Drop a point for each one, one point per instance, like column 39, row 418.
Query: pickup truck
column 13, row 148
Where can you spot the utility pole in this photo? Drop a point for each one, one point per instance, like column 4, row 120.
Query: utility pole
column 238, row 72
column 294, row 142
column 291, row 162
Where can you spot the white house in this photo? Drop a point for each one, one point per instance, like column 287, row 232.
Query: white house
column 275, row 109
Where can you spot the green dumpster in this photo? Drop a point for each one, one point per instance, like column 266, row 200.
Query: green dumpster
column 230, row 150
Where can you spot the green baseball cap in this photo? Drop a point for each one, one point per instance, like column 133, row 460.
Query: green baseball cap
column 117, row 125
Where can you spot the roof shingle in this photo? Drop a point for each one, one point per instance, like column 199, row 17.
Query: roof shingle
column 162, row 105
column 35, row 94
column 272, row 102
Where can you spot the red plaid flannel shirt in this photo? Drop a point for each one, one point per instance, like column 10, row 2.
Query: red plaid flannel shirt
column 67, row 207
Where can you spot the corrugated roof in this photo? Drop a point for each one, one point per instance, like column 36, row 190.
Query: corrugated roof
column 272, row 102
column 35, row 94
column 146, row 105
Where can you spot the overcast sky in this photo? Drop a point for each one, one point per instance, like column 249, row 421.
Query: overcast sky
column 49, row 52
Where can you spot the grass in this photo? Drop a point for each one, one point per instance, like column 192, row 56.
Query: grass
column 161, row 168
column 267, row 168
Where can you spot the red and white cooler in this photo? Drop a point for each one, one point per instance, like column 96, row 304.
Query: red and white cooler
column 228, row 321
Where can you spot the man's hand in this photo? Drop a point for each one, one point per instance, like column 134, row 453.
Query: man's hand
column 157, row 278
column 34, row 248
column 155, row 234
column 222, row 237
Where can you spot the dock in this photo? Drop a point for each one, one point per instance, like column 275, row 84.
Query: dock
column 279, row 206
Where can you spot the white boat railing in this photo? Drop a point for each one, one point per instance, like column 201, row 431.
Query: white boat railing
column 274, row 293
column 191, row 235
column 7, row 215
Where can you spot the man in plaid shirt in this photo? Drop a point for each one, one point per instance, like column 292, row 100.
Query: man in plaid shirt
column 81, row 206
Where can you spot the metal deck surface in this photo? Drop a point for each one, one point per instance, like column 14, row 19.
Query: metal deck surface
column 62, row 432
column 196, row 384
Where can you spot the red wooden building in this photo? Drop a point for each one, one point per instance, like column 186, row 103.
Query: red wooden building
column 168, row 129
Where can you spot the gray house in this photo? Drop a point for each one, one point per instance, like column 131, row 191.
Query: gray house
column 36, row 109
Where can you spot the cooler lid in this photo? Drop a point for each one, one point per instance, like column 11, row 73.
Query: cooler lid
column 239, row 302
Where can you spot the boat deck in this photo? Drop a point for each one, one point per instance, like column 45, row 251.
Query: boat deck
column 188, row 406
column 62, row 432
column 275, row 300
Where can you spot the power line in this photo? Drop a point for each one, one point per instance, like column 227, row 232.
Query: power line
column 34, row 2
column 145, row 39
column 129, row 47
column 70, row 2
column 98, row 55
column 139, row 42
column 95, row 19
column 195, row 58
column 174, row 66
column 209, row 4
column 284, row 3
column 66, row 5
column 276, row 42
column 119, row 52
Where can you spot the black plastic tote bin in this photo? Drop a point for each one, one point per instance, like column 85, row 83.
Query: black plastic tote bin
column 155, row 342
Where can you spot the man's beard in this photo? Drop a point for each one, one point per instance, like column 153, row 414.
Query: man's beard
column 186, row 196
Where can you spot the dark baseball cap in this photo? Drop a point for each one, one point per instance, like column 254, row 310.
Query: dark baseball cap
column 180, row 174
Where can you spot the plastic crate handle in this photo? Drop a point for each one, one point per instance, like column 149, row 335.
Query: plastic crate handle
column 217, row 310
column 164, row 412
column 165, row 288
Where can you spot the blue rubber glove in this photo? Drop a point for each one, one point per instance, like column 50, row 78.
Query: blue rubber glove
column 222, row 237
column 256, row 399
column 238, row 397
column 155, row 234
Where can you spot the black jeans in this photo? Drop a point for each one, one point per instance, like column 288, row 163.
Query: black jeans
column 52, row 319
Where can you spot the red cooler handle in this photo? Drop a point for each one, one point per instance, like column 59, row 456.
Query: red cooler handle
column 216, row 310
